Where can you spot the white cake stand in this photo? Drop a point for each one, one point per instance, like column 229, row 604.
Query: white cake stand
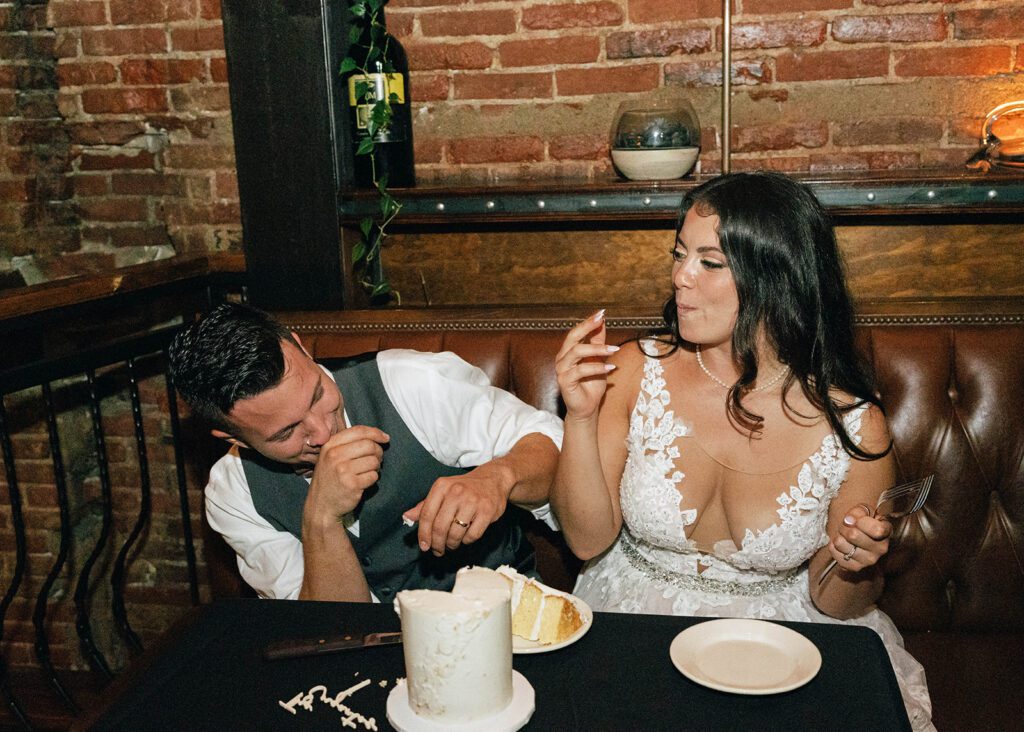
column 509, row 719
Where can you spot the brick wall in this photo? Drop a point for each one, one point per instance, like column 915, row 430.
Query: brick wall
column 116, row 135
column 116, row 132
column 505, row 89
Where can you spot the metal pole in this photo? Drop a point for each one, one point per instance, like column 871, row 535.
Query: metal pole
column 726, row 83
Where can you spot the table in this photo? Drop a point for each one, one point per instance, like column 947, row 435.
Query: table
column 618, row 677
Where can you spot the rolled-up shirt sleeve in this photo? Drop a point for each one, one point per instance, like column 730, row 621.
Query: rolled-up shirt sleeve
column 269, row 560
column 450, row 406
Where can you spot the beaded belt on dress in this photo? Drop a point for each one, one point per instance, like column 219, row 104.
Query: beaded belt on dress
column 699, row 582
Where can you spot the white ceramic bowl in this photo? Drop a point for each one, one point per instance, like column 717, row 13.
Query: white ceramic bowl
column 655, row 163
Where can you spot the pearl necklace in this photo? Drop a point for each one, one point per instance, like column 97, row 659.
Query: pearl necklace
column 771, row 382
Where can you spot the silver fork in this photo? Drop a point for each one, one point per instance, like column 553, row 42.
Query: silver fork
column 912, row 495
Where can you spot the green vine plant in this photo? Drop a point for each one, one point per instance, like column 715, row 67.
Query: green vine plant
column 366, row 254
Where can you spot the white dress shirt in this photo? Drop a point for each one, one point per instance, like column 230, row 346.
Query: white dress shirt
column 447, row 404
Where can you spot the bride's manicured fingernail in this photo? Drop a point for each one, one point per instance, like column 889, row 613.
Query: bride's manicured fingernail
column 849, row 520
column 611, row 349
column 599, row 315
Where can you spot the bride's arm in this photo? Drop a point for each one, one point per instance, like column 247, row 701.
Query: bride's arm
column 585, row 493
column 856, row 583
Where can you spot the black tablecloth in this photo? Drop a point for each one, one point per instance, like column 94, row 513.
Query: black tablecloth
column 617, row 677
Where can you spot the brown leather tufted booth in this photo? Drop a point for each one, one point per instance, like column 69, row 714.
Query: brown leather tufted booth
column 953, row 392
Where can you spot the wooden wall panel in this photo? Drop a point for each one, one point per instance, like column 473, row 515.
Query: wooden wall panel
column 884, row 260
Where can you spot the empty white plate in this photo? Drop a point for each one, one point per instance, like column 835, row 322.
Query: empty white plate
column 745, row 656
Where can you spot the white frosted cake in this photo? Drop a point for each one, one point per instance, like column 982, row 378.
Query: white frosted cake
column 458, row 648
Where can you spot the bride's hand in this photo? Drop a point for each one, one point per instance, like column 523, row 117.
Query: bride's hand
column 581, row 367
column 862, row 540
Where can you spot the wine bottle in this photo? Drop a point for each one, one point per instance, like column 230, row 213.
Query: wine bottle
column 382, row 72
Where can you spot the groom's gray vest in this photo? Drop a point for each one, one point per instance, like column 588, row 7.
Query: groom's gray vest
column 389, row 550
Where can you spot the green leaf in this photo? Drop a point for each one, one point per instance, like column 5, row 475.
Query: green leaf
column 358, row 9
column 359, row 252
column 365, row 146
column 347, row 64
column 354, row 32
column 380, row 289
column 364, row 226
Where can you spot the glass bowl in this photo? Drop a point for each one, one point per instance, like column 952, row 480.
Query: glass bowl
column 655, row 139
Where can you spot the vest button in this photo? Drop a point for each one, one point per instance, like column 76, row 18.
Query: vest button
column 366, row 560
column 385, row 591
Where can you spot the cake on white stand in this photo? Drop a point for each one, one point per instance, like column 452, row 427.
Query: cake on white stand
column 458, row 660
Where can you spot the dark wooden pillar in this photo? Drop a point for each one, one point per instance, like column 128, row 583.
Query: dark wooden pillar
column 290, row 147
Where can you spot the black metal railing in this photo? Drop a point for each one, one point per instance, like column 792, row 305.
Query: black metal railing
column 120, row 357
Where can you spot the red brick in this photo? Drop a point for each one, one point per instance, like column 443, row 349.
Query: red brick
column 888, row 3
column 469, row 85
column 138, row 161
column 91, row 185
column 429, row 87
column 946, row 158
column 889, row 28
column 658, row 11
column 709, row 73
column 775, row 7
column 779, row 163
column 209, row 9
column 65, row 44
column 141, row 184
column 889, row 131
column 779, row 137
column 496, row 150
column 578, row 147
column 856, row 64
column 208, row 38
column 989, row 23
column 145, row 235
column 894, row 160
column 14, row 191
column 430, row 151
column 134, row 12
column 429, row 56
column 550, row 51
column 974, row 61
column 400, row 25
column 779, row 33
column 72, row 13
column 572, row 15
column 227, row 183
column 966, row 130
column 469, row 23
column 830, row 162
column 28, row 46
column 123, row 41
column 200, row 157
column 201, row 98
column 155, row 71
column 104, row 132
column 574, row 82
column 122, row 101
column 219, row 69
column 662, row 42
column 85, row 74
column 114, row 209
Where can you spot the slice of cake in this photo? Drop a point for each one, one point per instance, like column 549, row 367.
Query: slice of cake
column 540, row 613
column 458, row 651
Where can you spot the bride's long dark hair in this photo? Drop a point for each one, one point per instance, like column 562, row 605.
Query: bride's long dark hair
column 782, row 252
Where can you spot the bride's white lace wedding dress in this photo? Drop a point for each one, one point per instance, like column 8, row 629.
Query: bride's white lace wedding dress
column 654, row 568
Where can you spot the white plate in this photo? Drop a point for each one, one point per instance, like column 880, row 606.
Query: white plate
column 745, row 656
column 511, row 718
column 521, row 645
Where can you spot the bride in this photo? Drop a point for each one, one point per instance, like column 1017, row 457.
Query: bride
column 716, row 468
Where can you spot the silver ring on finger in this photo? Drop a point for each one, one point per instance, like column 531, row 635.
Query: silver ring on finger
column 463, row 524
column 849, row 556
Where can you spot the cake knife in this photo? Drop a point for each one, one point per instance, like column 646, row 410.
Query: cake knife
column 316, row 646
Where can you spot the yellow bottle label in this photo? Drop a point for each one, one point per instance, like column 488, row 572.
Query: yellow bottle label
column 378, row 84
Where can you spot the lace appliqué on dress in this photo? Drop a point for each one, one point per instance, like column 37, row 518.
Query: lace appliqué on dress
column 649, row 492
column 803, row 509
